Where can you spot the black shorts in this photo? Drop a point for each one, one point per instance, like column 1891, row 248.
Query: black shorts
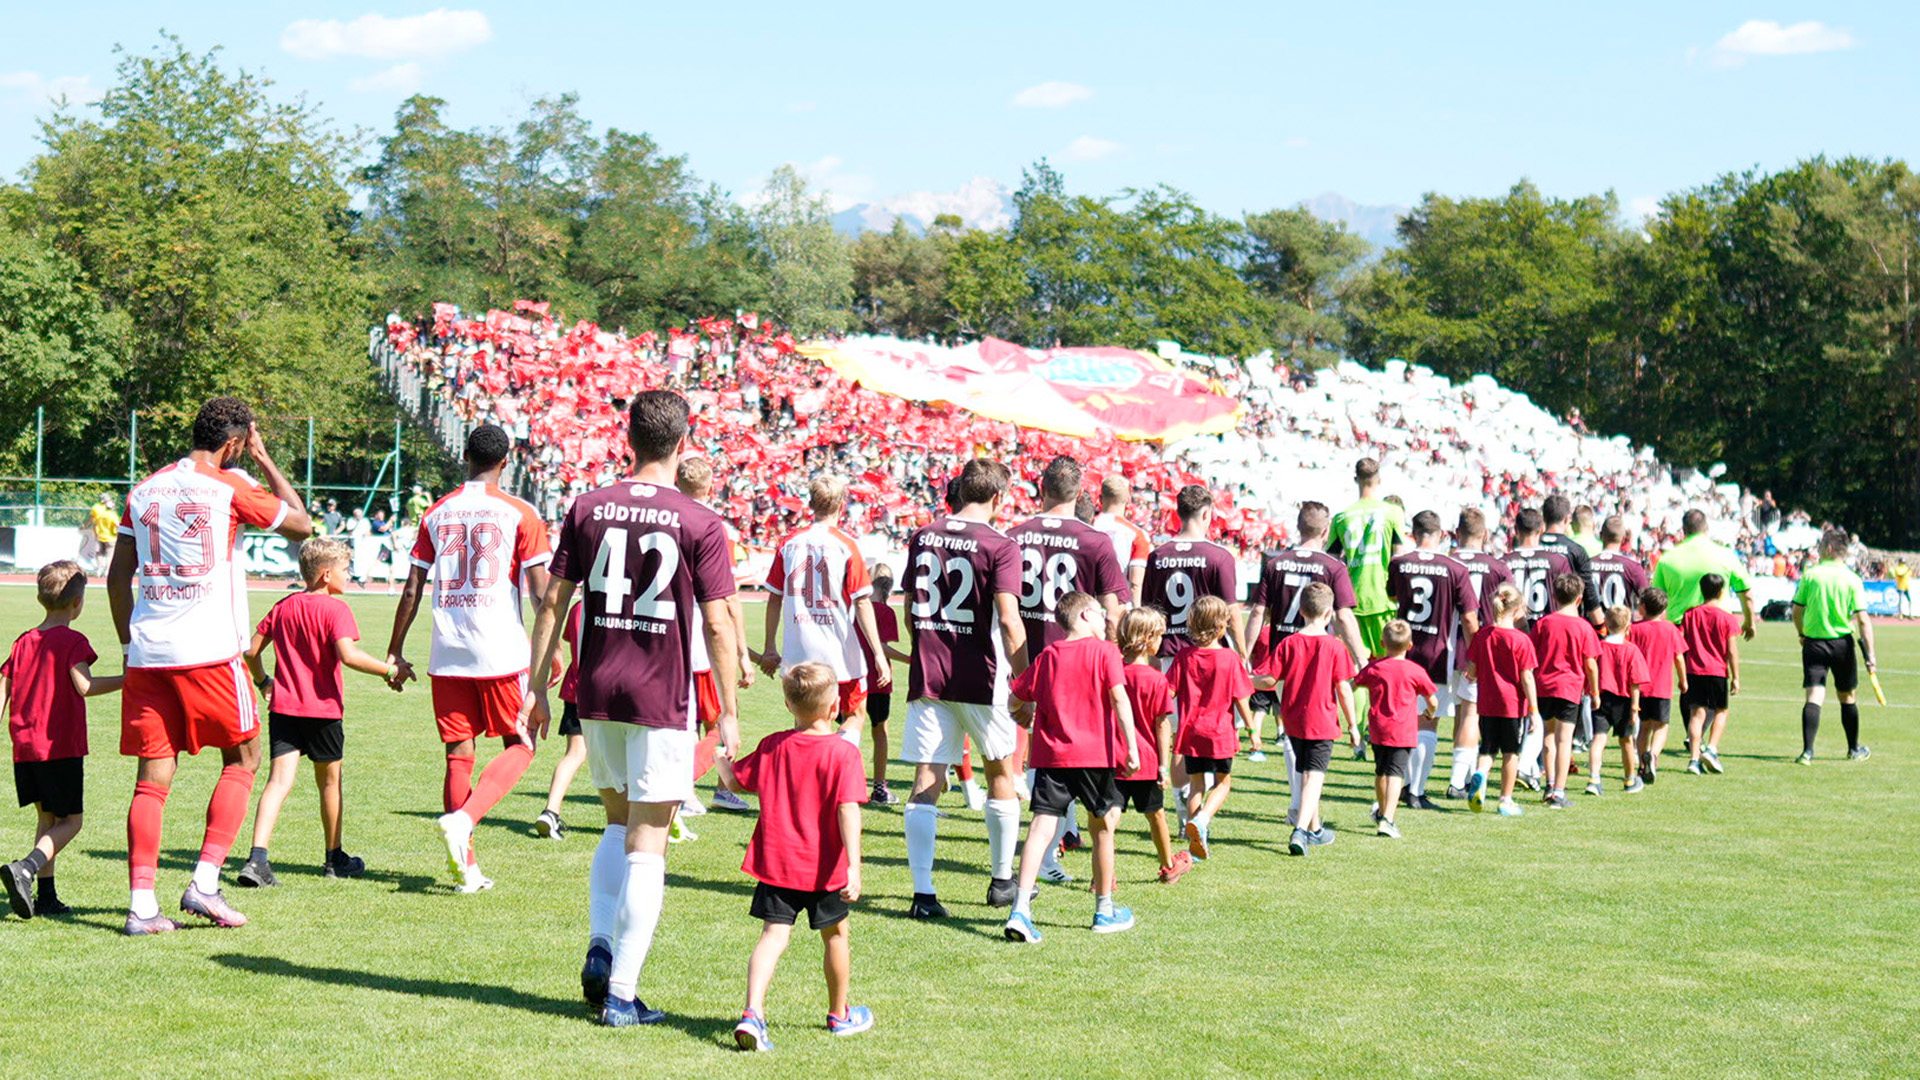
column 58, row 786
column 879, row 707
column 1705, row 692
column 1500, row 734
column 1616, row 713
column 1311, row 755
column 1655, row 710
column 1056, row 790
column 1553, row 708
column 1144, row 795
column 1391, row 760
column 774, row 904
column 1819, row 656
column 316, row 739
column 1264, row 701
column 569, row 720
column 1219, row 766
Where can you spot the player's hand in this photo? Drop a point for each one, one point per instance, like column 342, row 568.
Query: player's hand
column 1872, row 667
column 851, row 894
column 882, row 676
column 559, row 672
column 257, row 446
column 769, row 661
column 729, row 726
column 535, row 715
column 1133, row 761
column 1733, row 685
column 1166, row 779
column 1746, row 631
column 747, row 675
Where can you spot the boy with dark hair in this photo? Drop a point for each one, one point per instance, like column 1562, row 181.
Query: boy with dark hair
column 47, row 676
column 1315, row 675
column 1622, row 671
column 1659, row 643
column 1568, row 652
column 1712, row 634
column 805, row 850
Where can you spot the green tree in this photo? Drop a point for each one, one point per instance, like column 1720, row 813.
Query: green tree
column 60, row 351
column 900, row 279
column 1303, row 266
column 810, row 266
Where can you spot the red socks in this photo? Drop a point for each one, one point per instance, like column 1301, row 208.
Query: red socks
column 225, row 811
column 143, row 832
column 497, row 779
column 459, row 783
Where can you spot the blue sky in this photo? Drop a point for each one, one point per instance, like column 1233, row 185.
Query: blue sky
column 1247, row 106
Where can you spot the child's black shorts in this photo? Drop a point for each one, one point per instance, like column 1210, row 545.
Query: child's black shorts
column 1056, row 790
column 774, row 904
column 1391, row 760
column 1617, row 712
column 1705, row 692
column 1500, row 734
column 59, row 786
column 1553, row 708
column 320, row 740
column 1264, row 701
column 879, row 707
column 1144, row 795
column 569, row 719
column 1655, row 710
column 1219, row 766
column 1311, row 755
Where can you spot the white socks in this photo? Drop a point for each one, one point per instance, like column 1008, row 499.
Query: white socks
column 1052, row 858
column 143, row 904
column 1103, row 904
column 921, row 825
column 206, row 877
column 1003, row 836
column 1293, row 782
column 605, row 879
column 1530, row 750
column 1464, row 760
column 1424, row 749
column 633, row 926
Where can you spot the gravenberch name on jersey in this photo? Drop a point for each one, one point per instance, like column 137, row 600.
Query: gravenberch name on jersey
column 468, row 600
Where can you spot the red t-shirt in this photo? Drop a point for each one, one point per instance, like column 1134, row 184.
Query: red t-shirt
column 1309, row 667
column 306, row 668
column 1562, row 645
column 1070, row 686
column 48, row 717
column 1658, row 642
column 1708, row 630
column 1262, row 648
column 570, row 682
column 1622, row 668
column 1394, row 686
column 1207, row 681
column 1499, row 655
column 802, row 780
column 1150, row 699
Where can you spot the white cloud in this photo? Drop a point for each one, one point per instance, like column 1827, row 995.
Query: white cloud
column 1643, row 208
column 1764, row 37
column 400, row 79
column 1051, row 95
column 1088, row 148
column 33, row 88
column 980, row 203
column 826, row 176
column 437, row 33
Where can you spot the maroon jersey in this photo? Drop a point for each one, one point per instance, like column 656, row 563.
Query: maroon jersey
column 1618, row 578
column 648, row 556
column 1533, row 571
column 1059, row 555
column 957, row 568
column 1486, row 572
column 1179, row 573
column 1286, row 576
column 1433, row 591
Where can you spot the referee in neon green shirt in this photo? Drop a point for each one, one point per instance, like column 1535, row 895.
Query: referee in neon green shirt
column 1829, row 605
column 1366, row 536
column 1681, row 568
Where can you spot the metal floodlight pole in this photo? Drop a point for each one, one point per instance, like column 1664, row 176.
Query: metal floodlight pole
column 396, row 467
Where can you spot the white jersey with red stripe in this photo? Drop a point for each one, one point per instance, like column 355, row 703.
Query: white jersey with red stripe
column 1131, row 544
column 822, row 578
column 697, row 646
column 476, row 543
column 190, row 584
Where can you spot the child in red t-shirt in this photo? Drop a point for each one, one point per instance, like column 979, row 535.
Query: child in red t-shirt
column 1500, row 663
column 47, row 676
column 1659, row 643
column 1622, row 671
column 549, row 825
column 1211, row 684
column 1712, row 634
column 313, row 635
column 1567, row 652
column 1140, row 633
column 1082, row 727
column 1315, row 674
column 805, row 850
column 1395, row 688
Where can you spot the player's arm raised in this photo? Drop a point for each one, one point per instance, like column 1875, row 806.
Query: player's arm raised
column 297, row 525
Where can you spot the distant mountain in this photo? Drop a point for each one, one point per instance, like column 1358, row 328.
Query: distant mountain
column 980, row 203
column 1374, row 224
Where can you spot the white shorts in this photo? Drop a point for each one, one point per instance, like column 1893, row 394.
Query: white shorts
column 1460, row 689
column 935, row 729
column 648, row 765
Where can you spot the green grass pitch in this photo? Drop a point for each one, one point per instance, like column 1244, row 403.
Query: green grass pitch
column 1763, row 923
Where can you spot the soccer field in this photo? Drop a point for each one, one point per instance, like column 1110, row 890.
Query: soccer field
column 1761, row 923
